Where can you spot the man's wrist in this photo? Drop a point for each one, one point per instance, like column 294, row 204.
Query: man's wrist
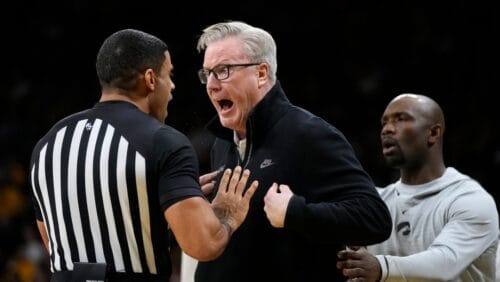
column 384, row 267
column 228, row 228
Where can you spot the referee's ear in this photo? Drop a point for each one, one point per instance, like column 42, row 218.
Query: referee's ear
column 145, row 85
column 149, row 80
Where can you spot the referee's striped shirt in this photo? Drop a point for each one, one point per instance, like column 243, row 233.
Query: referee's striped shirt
column 101, row 180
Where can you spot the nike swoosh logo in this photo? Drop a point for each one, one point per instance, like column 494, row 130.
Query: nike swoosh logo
column 266, row 163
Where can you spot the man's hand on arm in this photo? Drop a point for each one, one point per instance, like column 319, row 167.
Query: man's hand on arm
column 359, row 264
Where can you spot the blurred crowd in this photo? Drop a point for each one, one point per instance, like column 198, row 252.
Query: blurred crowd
column 23, row 257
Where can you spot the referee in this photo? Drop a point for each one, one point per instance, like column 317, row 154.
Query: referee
column 108, row 182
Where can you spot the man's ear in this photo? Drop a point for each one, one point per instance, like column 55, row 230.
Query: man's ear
column 150, row 79
column 435, row 133
column 262, row 73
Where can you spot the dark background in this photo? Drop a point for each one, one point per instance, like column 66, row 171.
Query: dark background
column 343, row 61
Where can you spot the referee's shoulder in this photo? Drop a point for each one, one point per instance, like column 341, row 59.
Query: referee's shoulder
column 169, row 132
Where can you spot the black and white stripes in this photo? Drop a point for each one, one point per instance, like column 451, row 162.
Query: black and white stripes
column 90, row 185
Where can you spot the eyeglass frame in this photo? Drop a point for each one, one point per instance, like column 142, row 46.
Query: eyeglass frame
column 203, row 74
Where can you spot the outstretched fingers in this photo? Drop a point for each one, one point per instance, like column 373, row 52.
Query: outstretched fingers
column 236, row 180
column 231, row 203
column 240, row 188
column 225, row 180
column 251, row 190
column 233, row 182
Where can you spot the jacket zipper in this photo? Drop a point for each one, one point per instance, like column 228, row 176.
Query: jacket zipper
column 251, row 144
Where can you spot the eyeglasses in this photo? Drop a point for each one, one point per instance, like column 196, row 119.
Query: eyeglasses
column 220, row 72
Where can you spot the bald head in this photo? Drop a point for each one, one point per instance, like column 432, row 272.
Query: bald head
column 423, row 106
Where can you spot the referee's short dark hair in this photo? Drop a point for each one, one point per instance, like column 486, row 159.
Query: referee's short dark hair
column 125, row 55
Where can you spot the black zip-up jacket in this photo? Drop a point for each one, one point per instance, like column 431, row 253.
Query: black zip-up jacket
column 335, row 202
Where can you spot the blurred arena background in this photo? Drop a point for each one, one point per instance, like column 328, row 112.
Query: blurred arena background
column 343, row 61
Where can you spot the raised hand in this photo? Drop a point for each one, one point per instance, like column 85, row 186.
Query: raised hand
column 231, row 202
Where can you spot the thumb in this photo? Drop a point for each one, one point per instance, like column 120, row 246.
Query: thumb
column 272, row 189
column 285, row 189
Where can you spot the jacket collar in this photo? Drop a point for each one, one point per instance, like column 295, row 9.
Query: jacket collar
column 260, row 119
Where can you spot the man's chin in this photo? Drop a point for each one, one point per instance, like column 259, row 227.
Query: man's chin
column 227, row 123
column 393, row 161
